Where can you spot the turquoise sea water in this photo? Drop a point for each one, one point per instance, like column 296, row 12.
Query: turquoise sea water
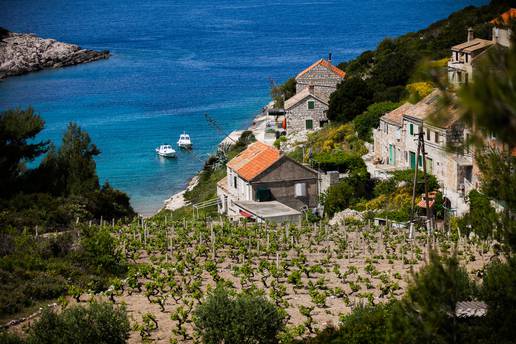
column 173, row 61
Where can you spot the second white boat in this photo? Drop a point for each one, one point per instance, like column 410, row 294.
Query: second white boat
column 184, row 141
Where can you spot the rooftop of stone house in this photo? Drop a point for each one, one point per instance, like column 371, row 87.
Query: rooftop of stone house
column 469, row 309
column 505, row 17
column 325, row 63
column 396, row 116
column 303, row 94
column 429, row 109
column 254, row 160
column 473, row 45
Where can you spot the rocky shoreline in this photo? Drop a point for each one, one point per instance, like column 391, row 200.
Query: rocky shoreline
column 22, row 53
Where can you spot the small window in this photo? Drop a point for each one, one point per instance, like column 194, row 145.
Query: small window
column 386, row 128
column 311, row 105
column 309, row 124
column 428, row 134
column 467, row 55
column 411, row 129
column 300, row 190
column 235, row 182
column 436, row 137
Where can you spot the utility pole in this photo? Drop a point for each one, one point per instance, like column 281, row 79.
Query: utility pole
column 421, row 149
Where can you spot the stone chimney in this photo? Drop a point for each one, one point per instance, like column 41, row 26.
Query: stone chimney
column 329, row 57
column 470, row 34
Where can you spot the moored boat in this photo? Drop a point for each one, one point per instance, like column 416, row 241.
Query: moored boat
column 184, row 141
column 166, row 151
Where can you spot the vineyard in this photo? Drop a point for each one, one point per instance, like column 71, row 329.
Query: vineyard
column 314, row 273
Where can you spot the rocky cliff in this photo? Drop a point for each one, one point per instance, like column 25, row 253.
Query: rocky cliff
column 23, row 53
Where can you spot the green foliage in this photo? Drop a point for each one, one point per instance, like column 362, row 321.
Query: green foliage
column 351, row 98
column 370, row 119
column 34, row 269
column 244, row 140
column 283, row 92
column 498, row 178
column 337, row 161
column 499, row 292
column 426, row 313
column 337, row 198
column 279, row 140
column 62, row 188
column 481, row 218
column 242, row 318
column 94, row 323
column 99, row 251
column 18, row 128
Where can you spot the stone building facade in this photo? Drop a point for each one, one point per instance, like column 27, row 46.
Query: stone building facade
column 306, row 110
column 465, row 56
column 395, row 145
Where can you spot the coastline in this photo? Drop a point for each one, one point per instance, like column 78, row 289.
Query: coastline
column 258, row 127
column 23, row 53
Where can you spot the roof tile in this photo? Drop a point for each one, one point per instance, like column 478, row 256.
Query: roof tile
column 325, row 64
column 254, row 160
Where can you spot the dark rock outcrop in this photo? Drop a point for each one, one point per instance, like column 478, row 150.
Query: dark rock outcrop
column 24, row 53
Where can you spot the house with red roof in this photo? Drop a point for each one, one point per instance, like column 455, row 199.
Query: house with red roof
column 265, row 185
column 306, row 110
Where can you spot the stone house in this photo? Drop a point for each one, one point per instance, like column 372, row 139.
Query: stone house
column 265, row 185
column 466, row 55
column 395, row 144
column 306, row 110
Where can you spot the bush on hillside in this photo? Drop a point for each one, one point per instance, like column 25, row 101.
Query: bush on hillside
column 338, row 161
column 283, row 92
column 426, row 313
column 242, row 318
column 481, row 219
column 351, row 98
column 370, row 119
column 337, row 198
column 95, row 323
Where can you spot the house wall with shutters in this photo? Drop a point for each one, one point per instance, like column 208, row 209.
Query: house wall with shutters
column 281, row 179
column 298, row 115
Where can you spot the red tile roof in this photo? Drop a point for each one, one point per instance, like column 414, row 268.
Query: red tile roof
column 506, row 17
column 325, row 64
column 254, row 160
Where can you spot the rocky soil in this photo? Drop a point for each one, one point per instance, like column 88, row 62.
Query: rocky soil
column 22, row 53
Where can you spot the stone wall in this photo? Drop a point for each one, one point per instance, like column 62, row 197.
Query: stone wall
column 281, row 179
column 323, row 80
column 299, row 113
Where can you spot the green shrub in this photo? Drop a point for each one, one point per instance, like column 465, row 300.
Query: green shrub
column 338, row 161
column 337, row 198
column 481, row 218
column 242, row 318
column 370, row 119
column 94, row 323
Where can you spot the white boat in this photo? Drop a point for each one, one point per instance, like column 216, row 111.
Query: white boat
column 184, row 141
column 166, row 151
